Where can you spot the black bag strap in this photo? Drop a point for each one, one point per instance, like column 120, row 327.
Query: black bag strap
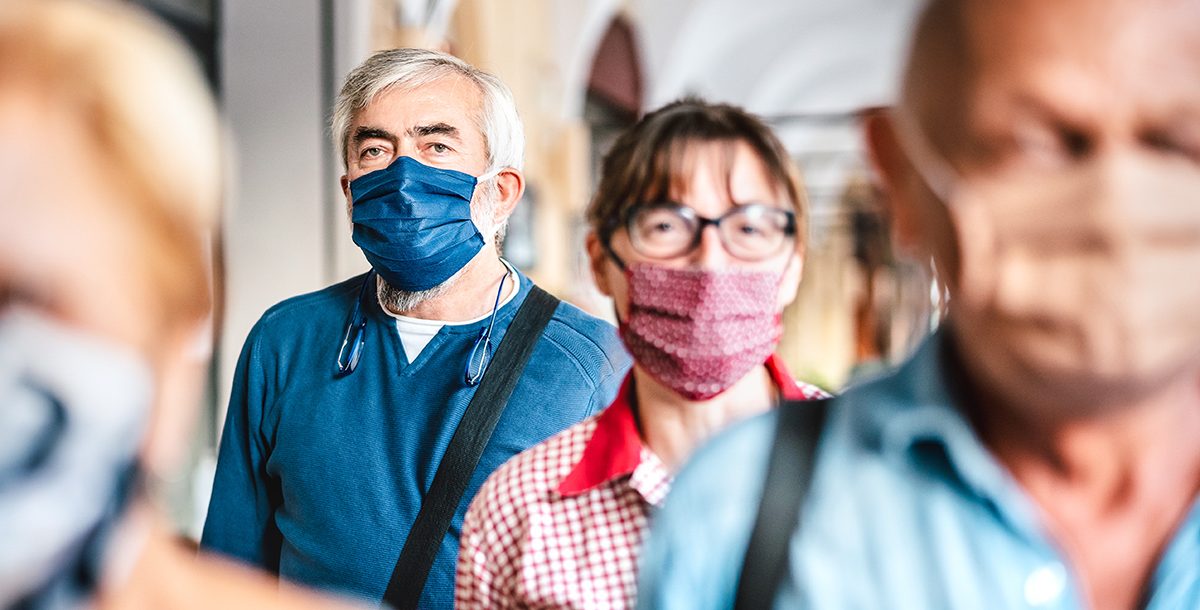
column 466, row 446
column 789, row 475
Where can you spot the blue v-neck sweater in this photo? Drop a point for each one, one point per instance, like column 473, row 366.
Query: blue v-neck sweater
column 320, row 478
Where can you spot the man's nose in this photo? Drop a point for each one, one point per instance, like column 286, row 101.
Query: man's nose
column 407, row 149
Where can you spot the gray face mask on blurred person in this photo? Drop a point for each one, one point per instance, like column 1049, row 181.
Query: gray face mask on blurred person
column 73, row 411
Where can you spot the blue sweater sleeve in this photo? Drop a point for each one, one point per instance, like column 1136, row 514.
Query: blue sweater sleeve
column 608, row 385
column 241, row 513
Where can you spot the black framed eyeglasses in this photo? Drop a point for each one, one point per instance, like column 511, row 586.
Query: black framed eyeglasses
column 751, row 232
column 355, row 336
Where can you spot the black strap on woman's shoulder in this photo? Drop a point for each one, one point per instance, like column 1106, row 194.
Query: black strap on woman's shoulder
column 789, row 474
column 466, row 446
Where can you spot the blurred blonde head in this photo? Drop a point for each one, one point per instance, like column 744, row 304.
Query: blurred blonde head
column 109, row 189
column 143, row 116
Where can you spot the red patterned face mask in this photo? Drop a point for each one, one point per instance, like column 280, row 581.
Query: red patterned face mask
column 699, row 331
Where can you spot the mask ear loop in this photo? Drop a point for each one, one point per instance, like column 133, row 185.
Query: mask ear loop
column 488, row 175
column 485, row 339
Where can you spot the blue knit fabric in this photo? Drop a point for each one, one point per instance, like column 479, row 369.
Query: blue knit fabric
column 320, row 478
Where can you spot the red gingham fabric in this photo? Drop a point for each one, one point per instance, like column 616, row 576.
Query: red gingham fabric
column 561, row 525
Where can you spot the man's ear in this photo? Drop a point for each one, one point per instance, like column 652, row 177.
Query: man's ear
column 510, row 185
column 598, row 261
column 897, row 180
column 345, row 182
column 789, row 284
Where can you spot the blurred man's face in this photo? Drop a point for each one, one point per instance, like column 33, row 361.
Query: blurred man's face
column 1073, row 131
column 1045, row 85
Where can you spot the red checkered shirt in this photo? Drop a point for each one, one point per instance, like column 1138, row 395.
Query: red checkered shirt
column 561, row 524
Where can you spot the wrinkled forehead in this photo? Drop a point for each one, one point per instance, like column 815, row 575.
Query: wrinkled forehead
column 1101, row 57
column 445, row 97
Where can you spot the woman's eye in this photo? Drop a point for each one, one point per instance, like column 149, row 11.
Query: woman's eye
column 750, row 230
column 661, row 225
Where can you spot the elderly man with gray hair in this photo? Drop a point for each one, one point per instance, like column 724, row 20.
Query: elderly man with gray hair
column 365, row 416
column 1041, row 450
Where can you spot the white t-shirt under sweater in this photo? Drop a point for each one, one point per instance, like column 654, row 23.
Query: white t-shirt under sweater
column 416, row 333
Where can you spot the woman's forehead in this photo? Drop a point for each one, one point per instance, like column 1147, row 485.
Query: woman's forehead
column 727, row 169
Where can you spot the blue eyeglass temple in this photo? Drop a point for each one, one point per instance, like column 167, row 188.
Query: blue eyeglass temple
column 473, row 375
column 356, row 333
column 355, row 338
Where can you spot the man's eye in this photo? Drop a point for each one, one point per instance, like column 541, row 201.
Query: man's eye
column 440, row 148
column 1038, row 146
column 1171, row 144
column 371, row 152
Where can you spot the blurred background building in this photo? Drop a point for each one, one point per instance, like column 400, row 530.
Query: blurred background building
column 581, row 70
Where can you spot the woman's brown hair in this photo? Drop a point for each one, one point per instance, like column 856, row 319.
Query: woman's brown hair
column 649, row 161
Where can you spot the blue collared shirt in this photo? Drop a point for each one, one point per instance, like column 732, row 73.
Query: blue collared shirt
column 907, row 510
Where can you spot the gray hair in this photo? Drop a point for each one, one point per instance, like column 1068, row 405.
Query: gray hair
column 503, row 135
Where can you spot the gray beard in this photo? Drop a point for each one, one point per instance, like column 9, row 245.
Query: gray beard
column 400, row 301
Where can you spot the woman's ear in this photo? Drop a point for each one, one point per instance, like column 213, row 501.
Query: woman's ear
column 789, row 284
column 598, row 261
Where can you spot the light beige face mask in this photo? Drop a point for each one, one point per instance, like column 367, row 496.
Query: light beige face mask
column 1086, row 279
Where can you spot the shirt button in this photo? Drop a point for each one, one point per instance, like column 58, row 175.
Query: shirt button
column 1045, row 584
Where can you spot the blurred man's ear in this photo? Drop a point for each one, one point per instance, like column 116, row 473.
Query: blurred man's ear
column 897, row 181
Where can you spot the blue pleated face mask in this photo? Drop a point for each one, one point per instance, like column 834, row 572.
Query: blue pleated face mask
column 413, row 222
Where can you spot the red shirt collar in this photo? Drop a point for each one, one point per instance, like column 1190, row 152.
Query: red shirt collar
column 615, row 448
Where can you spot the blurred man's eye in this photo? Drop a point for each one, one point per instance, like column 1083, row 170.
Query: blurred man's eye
column 1172, row 144
column 1038, row 146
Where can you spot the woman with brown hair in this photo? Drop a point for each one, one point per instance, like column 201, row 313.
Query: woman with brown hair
column 697, row 234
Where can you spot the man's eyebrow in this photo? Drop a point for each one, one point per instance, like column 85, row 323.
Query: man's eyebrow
column 373, row 133
column 436, row 129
